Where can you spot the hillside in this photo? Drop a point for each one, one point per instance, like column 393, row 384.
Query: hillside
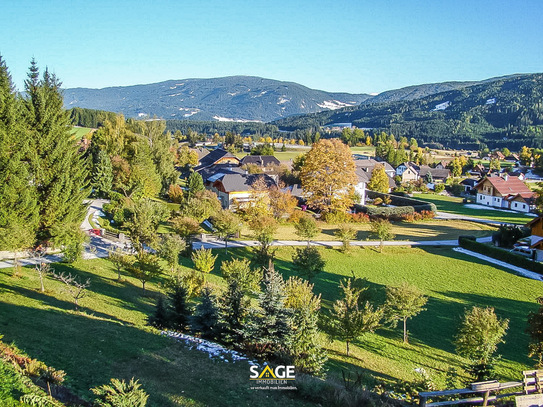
column 235, row 98
column 501, row 112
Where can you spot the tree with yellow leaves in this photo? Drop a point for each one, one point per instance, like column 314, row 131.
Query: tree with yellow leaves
column 328, row 176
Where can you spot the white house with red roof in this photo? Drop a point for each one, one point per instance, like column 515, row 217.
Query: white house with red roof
column 505, row 192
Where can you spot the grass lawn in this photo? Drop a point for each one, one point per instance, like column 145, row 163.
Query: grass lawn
column 427, row 230
column 109, row 338
column 79, row 132
column 453, row 282
column 454, row 205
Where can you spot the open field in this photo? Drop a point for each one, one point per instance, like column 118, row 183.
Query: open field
column 454, row 205
column 109, row 337
column 426, row 230
column 453, row 282
column 79, row 132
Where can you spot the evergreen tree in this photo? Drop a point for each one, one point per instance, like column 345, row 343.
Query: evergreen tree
column 18, row 204
column 269, row 329
column 102, row 175
column 195, row 183
column 179, row 311
column 206, row 316
column 160, row 144
column 58, row 170
column 308, row 262
column 159, row 319
column 233, row 312
column 304, row 347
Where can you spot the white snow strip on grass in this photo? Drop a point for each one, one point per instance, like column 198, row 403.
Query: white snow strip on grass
column 214, row 350
column 520, row 271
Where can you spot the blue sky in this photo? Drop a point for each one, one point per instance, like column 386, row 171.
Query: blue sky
column 352, row 46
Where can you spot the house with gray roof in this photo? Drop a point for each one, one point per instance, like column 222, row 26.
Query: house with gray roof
column 264, row 162
column 234, row 188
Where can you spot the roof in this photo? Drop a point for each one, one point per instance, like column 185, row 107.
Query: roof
column 202, row 152
column 260, row 160
column 369, row 164
column 439, row 173
column 243, row 182
column 208, row 173
column 470, row 181
column 511, row 186
column 213, row 157
column 362, row 175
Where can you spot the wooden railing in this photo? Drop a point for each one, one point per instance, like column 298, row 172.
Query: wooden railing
column 529, row 393
column 482, row 392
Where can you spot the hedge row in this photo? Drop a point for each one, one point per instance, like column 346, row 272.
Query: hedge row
column 389, row 211
column 397, row 200
column 466, row 242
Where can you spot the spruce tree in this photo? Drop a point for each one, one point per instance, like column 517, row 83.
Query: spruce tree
column 195, row 183
column 102, row 175
column 179, row 311
column 18, row 204
column 58, row 170
column 233, row 312
column 304, row 346
column 269, row 329
column 159, row 319
column 206, row 316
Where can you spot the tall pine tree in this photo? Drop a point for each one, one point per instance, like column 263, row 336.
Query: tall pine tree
column 58, row 171
column 18, row 205
column 102, row 175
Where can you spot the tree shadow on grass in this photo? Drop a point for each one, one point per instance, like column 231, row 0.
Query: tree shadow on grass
column 82, row 346
column 338, row 364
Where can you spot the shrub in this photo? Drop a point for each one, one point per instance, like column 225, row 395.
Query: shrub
column 359, row 217
column 392, row 213
column 120, row 394
column 398, row 200
column 438, row 188
column 499, row 254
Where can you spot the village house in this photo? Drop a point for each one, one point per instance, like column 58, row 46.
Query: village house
column 222, row 173
column 234, row 189
column 364, row 170
column 216, row 157
column 410, row 171
column 264, row 162
column 505, row 192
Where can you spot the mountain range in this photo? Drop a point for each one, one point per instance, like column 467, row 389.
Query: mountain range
column 233, row 98
column 499, row 112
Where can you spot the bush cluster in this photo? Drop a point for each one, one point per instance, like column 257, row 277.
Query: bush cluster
column 398, row 200
column 389, row 212
column 416, row 216
column 466, row 242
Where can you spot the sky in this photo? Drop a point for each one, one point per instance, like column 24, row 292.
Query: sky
column 353, row 46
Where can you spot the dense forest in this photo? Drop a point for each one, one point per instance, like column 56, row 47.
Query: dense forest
column 507, row 112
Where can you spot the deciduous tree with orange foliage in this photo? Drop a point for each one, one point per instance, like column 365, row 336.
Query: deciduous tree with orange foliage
column 328, row 176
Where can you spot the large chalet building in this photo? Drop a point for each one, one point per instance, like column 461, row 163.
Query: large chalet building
column 505, row 192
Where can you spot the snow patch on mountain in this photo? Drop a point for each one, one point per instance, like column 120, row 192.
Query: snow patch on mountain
column 228, row 119
column 441, row 106
column 333, row 104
